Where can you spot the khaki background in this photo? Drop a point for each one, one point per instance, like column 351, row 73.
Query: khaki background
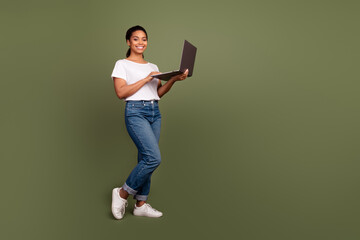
column 261, row 143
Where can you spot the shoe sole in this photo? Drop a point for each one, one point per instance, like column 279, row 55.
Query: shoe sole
column 145, row 215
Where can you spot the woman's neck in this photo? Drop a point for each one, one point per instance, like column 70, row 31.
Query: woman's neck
column 136, row 58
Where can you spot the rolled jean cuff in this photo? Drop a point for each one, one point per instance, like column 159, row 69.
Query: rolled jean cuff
column 129, row 189
column 141, row 197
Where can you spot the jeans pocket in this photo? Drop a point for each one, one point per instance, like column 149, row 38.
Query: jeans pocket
column 134, row 109
column 135, row 106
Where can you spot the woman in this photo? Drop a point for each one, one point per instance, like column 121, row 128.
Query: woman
column 133, row 83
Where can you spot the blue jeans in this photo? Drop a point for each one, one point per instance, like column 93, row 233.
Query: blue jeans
column 143, row 121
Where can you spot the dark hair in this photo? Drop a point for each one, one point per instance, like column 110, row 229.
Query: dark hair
column 130, row 32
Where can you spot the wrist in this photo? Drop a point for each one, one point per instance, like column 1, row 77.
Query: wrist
column 172, row 80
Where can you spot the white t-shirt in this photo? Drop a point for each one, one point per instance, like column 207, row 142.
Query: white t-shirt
column 132, row 72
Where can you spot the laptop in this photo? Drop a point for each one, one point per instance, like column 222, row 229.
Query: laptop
column 187, row 62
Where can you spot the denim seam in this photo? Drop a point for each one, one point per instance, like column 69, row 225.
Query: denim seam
column 132, row 129
column 142, row 145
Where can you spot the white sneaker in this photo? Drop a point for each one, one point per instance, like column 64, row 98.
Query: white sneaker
column 146, row 211
column 118, row 204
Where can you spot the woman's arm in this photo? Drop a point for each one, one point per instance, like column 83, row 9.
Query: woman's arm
column 123, row 90
column 163, row 89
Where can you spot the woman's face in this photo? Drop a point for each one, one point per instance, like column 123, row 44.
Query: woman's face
column 137, row 42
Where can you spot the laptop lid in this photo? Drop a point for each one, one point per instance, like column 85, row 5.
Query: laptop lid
column 188, row 58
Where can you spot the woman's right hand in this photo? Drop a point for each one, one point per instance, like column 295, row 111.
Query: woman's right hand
column 149, row 77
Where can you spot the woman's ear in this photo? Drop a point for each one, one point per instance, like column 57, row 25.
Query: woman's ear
column 128, row 42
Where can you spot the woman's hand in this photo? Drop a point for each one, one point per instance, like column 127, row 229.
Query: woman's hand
column 149, row 77
column 181, row 77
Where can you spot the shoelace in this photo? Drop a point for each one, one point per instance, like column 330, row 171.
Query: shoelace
column 122, row 209
column 149, row 206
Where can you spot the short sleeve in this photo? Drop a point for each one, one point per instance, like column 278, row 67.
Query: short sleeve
column 119, row 71
column 156, row 68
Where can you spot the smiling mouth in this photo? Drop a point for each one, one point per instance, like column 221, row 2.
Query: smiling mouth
column 140, row 47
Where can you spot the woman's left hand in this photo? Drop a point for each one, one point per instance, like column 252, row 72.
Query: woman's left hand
column 181, row 77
